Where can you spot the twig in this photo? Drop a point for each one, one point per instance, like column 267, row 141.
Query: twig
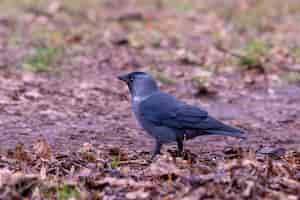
column 140, row 162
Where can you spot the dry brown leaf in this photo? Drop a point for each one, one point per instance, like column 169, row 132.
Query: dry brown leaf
column 139, row 194
column 164, row 165
column 88, row 152
column 32, row 95
column 85, row 172
column 188, row 57
column 20, row 153
column 247, row 192
column 43, row 173
column 5, row 177
column 86, row 147
column 42, row 149
column 124, row 182
column 196, row 194
column 116, row 151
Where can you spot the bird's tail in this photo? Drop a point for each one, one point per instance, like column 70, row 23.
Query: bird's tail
column 219, row 128
column 227, row 133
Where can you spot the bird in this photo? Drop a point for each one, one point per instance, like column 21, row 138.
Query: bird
column 167, row 119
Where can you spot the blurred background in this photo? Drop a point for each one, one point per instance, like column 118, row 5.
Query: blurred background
column 59, row 60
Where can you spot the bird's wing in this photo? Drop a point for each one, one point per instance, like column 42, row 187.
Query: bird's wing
column 164, row 110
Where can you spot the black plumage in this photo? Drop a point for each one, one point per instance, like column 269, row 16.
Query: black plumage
column 168, row 119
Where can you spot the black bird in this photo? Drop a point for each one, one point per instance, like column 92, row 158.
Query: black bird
column 168, row 120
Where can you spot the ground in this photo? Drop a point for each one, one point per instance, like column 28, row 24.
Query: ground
column 67, row 129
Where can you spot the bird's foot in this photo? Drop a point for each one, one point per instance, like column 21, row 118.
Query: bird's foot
column 156, row 150
column 179, row 153
column 154, row 155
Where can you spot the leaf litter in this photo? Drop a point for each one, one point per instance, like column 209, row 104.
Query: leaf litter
column 242, row 176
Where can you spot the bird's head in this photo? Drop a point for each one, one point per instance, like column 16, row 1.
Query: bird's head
column 140, row 84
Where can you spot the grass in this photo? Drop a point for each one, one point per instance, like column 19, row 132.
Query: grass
column 164, row 79
column 60, row 192
column 200, row 80
column 291, row 77
column 182, row 6
column 43, row 59
column 248, row 61
column 296, row 53
column 255, row 15
column 115, row 163
column 253, row 52
column 67, row 192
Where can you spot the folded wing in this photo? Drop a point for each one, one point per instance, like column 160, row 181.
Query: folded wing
column 164, row 110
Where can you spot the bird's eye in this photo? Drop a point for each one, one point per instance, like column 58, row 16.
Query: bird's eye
column 131, row 79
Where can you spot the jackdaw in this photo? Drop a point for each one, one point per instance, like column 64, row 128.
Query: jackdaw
column 167, row 119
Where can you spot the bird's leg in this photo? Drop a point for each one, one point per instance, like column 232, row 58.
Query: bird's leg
column 180, row 146
column 156, row 150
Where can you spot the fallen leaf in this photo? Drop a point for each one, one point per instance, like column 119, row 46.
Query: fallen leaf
column 20, row 153
column 139, row 194
column 43, row 173
column 272, row 151
column 5, row 177
column 188, row 58
column 32, row 95
column 247, row 192
column 163, row 166
column 42, row 149
column 117, row 182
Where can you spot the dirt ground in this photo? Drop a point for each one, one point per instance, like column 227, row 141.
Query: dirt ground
column 59, row 62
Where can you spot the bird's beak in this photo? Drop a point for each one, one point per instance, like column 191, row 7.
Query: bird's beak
column 123, row 78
